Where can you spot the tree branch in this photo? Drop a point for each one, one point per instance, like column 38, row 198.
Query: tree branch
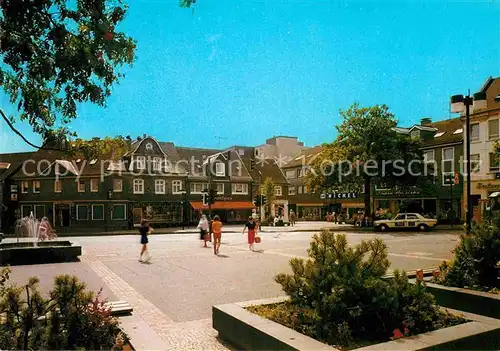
column 22, row 136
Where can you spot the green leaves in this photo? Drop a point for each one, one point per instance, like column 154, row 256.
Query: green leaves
column 56, row 56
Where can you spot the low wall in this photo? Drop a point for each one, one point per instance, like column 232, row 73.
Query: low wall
column 249, row 331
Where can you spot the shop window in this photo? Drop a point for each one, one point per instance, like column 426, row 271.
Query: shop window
column 119, row 212
column 82, row 212
column 26, row 210
column 97, row 212
column 39, row 211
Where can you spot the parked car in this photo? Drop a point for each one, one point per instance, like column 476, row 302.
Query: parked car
column 406, row 221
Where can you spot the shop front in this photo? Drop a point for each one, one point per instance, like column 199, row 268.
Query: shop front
column 157, row 213
column 481, row 192
column 309, row 211
column 228, row 211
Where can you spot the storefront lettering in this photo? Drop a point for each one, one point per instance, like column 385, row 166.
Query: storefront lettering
column 488, row 186
column 339, row 196
column 388, row 192
column 223, row 198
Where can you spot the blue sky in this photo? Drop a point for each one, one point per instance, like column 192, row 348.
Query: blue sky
column 238, row 72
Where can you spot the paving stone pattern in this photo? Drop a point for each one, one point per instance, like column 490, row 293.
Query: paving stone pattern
column 192, row 335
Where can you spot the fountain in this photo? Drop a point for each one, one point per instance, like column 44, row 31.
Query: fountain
column 41, row 248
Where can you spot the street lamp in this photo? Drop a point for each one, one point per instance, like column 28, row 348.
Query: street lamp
column 458, row 102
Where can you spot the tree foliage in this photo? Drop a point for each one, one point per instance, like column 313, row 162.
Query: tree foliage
column 476, row 258
column 59, row 53
column 370, row 147
column 339, row 295
column 268, row 192
column 71, row 319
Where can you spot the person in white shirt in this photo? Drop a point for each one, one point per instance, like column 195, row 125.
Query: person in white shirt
column 203, row 226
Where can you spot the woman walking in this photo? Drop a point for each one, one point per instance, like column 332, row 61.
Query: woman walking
column 217, row 230
column 251, row 232
column 145, row 230
column 203, row 227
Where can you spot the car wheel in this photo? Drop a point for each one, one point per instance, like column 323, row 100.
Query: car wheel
column 383, row 228
column 423, row 227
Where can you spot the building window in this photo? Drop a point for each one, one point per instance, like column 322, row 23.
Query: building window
column 494, row 163
column 117, row 185
column 39, row 211
column 240, row 188
column 429, row 156
column 36, row 186
column 159, row 186
column 140, row 162
column 97, row 212
column 278, row 190
column 291, row 190
column 58, row 186
column 26, row 210
column 94, row 185
column 447, row 161
column 445, row 176
column 474, row 131
column 299, row 189
column 156, row 163
column 300, row 172
column 25, row 186
column 220, row 169
column 149, row 146
column 220, row 188
column 475, row 164
column 138, row 186
column 415, row 134
column 290, row 174
column 306, row 189
column 177, row 186
column 198, row 188
column 493, row 129
column 241, row 152
column 82, row 212
column 119, row 213
column 81, row 186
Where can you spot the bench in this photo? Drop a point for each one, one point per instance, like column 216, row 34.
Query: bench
column 119, row 308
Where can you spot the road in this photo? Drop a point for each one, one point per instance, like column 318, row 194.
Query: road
column 172, row 296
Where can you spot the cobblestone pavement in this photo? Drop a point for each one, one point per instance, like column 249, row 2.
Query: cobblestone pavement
column 172, row 296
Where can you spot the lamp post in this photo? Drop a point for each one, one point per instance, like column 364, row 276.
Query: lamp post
column 458, row 102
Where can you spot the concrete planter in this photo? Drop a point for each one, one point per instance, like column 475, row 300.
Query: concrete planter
column 45, row 252
column 249, row 331
column 467, row 300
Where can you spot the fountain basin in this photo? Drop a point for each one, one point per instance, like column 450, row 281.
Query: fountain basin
column 38, row 253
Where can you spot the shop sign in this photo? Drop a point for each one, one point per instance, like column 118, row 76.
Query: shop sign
column 340, row 196
column 223, row 198
column 398, row 191
column 488, row 186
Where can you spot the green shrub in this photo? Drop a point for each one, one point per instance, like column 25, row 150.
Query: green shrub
column 71, row 318
column 476, row 258
column 338, row 296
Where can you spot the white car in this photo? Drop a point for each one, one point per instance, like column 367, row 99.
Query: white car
column 406, row 221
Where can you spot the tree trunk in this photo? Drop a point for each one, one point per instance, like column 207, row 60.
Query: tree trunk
column 367, row 188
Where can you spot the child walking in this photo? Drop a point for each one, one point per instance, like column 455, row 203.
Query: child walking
column 145, row 230
column 217, row 230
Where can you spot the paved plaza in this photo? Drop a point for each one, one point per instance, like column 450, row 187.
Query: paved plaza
column 172, row 296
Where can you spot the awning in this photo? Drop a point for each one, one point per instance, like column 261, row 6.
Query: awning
column 495, row 194
column 223, row 205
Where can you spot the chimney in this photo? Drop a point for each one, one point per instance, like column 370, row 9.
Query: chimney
column 425, row 120
column 144, row 136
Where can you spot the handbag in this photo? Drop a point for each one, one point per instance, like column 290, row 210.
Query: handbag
column 257, row 239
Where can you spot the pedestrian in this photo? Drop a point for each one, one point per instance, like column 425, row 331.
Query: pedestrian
column 251, row 225
column 292, row 218
column 145, row 230
column 203, row 227
column 217, row 230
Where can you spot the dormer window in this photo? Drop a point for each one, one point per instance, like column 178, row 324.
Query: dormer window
column 458, row 131
column 415, row 134
column 149, row 147
column 220, row 169
column 437, row 135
